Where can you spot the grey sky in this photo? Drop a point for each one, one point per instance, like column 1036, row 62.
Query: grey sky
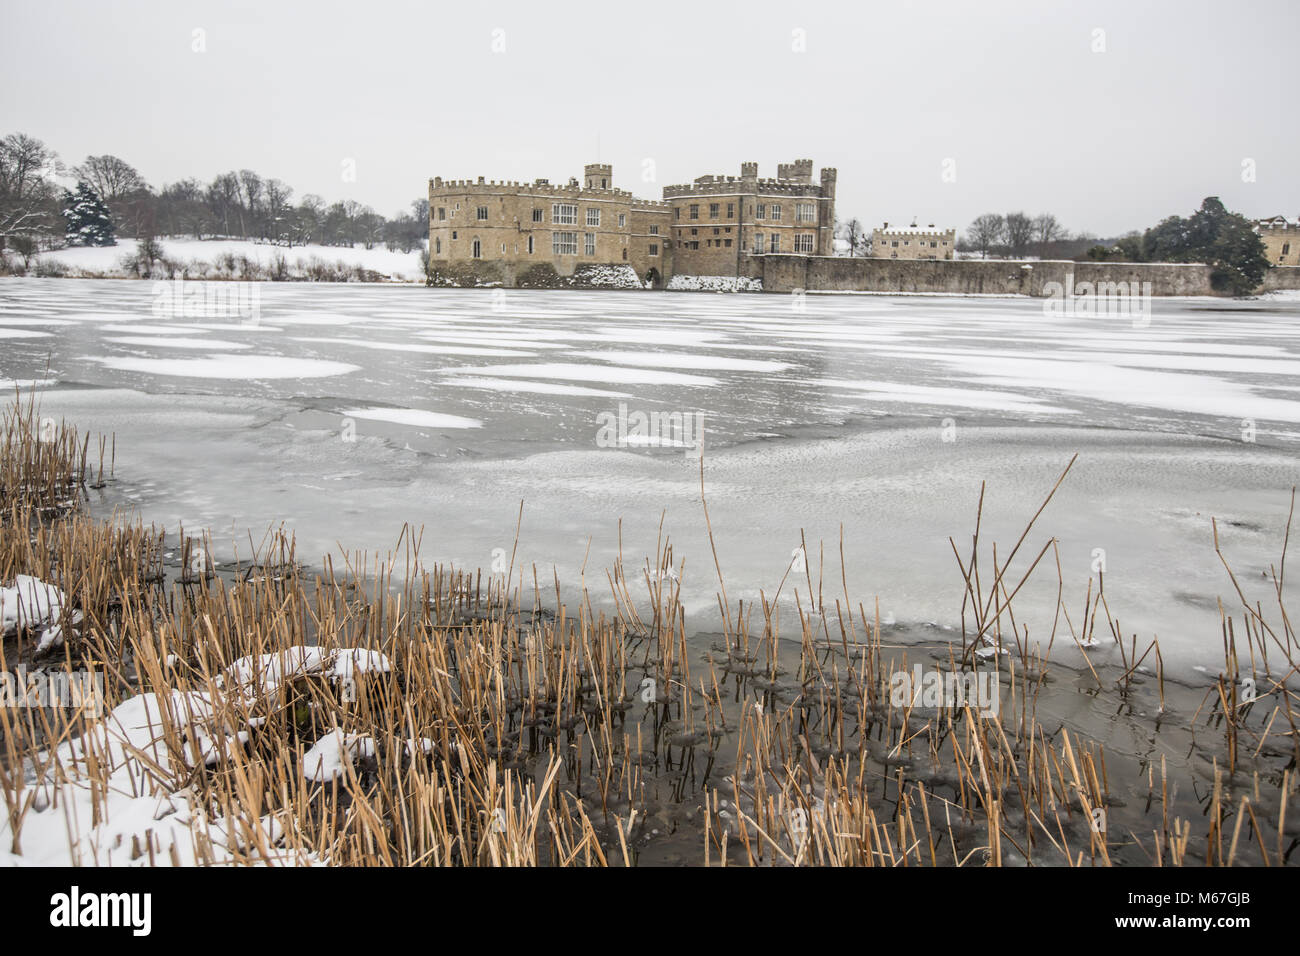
column 1012, row 92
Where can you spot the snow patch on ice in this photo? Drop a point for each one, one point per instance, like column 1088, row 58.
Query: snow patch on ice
column 229, row 366
column 413, row 416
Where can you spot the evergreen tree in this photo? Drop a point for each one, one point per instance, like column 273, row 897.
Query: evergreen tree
column 87, row 218
column 1224, row 240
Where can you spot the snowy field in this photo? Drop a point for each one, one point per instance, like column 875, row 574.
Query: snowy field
column 107, row 260
column 346, row 410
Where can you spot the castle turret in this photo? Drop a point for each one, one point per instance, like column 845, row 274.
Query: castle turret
column 828, row 182
column 748, row 171
column 598, row 176
column 800, row 171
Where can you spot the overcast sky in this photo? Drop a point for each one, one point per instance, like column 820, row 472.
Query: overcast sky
column 1014, row 94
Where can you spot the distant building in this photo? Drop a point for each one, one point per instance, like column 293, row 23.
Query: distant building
column 1281, row 240
column 913, row 242
column 710, row 227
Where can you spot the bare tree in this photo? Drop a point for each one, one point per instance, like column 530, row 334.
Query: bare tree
column 112, row 178
column 1047, row 229
column 985, row 232
column 278, row 207
column 1019, row 232
column 27, row 197
column 853, row 233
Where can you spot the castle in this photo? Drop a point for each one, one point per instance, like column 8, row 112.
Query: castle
column 715, row 226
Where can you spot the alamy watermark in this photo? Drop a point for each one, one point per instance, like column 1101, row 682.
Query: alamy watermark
column 76, row 690
column 639, row 429
column 201, row 299
column 1122, row 300
column 933, row 688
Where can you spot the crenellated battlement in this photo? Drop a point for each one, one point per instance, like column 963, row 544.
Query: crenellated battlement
column 482, row 186
column 722, row 185
column 908, row 231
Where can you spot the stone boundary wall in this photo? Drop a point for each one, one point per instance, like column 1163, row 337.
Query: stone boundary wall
column 784, row 273
column 1281, row 277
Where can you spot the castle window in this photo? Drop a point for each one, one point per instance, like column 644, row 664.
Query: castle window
column 695, row 211
column 566, row 214
column 437, row 246
column 593, row 216
column 934, row 245
column 476, row 250
column 625, row 255
column 564, row 243
column 537, row 215
column 758, row 243
column 1286, row 248
column 727, row 243
column 442, row 213
column 717, row 231
column 604, row 184
column 622, row 220
column 482, row 213
column 762, row 211
column 776, row 213
column 713, row 210
column 589, row 244
column 453, row 233
column 803, row 242
column 654, row 249
column 894, row 243
column 805, row 212
column 530, row 245
column 677, row 212
column 654, row 230
column 731, row 210
column 774, row 242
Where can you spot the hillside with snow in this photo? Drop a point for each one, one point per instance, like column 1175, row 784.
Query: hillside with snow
column 240, row 258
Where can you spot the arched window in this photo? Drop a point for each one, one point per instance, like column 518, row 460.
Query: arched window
column 437, row 246
column 530, row 245
column 476, row 250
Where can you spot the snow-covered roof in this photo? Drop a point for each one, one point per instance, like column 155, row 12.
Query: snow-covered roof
column 930, row 230
column 1276, row 222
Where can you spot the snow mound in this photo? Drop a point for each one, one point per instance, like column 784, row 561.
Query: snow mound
column 607, row 277
column 336, row 750
column 32, row 604
column 714, row 284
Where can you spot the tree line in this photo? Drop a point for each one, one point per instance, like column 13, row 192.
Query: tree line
column 37, row 214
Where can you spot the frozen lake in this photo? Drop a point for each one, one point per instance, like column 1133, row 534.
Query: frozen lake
column 348, row 410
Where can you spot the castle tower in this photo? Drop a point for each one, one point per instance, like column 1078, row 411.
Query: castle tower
column 800, row 171
column 598, row 176
column 826, row 228
column 748, row 171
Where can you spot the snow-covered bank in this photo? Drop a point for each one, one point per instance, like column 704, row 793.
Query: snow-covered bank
column 212, row 257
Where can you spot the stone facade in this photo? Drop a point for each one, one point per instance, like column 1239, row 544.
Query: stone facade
column 710, row 227
column 913, row 242
column 518, row 225
column 719, row 222
column 1281, row 240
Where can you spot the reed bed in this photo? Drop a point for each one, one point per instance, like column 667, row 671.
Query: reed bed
column 385, row 711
